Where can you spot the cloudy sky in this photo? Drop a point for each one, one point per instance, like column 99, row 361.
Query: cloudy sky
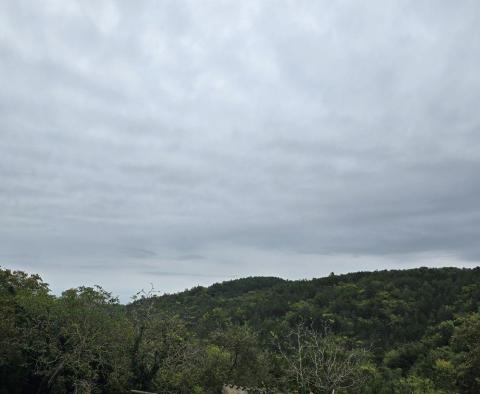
column 184, row 143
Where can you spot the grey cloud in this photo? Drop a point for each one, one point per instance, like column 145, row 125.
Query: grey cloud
column 212, row 139
column 186, row 274
column 190, row 257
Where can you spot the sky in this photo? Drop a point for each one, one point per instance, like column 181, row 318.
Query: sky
column 182, row 143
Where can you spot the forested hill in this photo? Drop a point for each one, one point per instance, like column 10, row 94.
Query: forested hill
column 386, row 332
column 384, row 307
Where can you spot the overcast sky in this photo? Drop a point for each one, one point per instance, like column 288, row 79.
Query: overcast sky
column 185, row 143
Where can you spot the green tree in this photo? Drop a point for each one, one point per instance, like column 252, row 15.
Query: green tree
column 159, row 345
column 466, row 343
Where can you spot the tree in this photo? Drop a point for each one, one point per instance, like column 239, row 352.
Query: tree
column 319, row 362
column 243, row 361
column 17, row 290
column 159, row 343
column 78, row 341
column 466, row 343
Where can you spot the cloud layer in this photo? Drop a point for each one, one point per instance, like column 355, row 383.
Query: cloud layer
column 181, row 142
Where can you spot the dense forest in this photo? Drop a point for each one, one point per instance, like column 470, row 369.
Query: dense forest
column 404, row 331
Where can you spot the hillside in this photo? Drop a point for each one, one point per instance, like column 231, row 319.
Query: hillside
column 382, row 306
column 402, row 331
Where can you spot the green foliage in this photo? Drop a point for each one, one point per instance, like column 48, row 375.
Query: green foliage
column 412, row 331
column 466, row 341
